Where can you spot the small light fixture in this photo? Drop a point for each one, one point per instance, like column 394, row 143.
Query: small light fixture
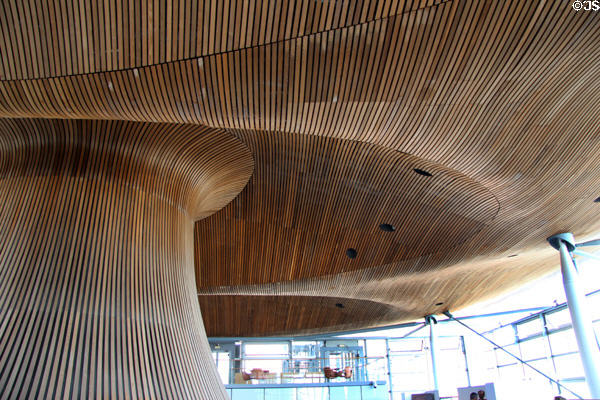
column 351, row 253
column 339, row 305
column 387, row 227
column 422, row 172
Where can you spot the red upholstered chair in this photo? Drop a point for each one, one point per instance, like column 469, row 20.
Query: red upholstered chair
column 329, row 373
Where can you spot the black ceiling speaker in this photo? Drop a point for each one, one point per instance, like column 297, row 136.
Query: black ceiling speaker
column 387, row 227
column 422, row 172
column 351, row 253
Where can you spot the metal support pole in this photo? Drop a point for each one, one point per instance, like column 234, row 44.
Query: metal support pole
column 431, row 321
column 580, row 317
column 464, row 351
column 389, row 366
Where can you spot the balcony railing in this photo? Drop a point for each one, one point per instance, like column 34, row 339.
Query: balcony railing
column 374, row 390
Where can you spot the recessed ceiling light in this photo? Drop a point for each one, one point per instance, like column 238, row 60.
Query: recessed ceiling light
column 439, row 304
column 351, row 253
column 339, row 305
column 421, row 172
column 387, row 227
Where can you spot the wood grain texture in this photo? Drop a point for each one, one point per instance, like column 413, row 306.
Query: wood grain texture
column 97, row 297
column 311, row 198
column 290, row 314
column 63, row 38
column 338, row 101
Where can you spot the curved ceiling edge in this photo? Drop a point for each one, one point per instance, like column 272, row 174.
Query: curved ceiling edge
column 278, row 315
column 168, row 33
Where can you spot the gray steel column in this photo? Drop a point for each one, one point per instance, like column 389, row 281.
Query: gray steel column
column 431, row 321
column 464, row 351
column 389, row 365
column 580, row 316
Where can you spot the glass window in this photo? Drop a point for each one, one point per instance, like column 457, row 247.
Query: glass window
column 451, row 363
column 504, row 359
column 305, row 349
column 544, row 365
column 563, row 342
column 594, row 305
column 531, row 387
column 272, row 358
column 409, row 363
column 568, row 366
column 558, row 319
column 449, row 343
column 534, row 349
column 266, row 349
column 376, row 348
column 305, row 354
column 222, row 361
column 529, row 328
column 511, row 372
column 406, row 345
column 376, row 361
column 410, row 371
column 504, row 336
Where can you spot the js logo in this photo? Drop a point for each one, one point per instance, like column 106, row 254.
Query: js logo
column 587, row 5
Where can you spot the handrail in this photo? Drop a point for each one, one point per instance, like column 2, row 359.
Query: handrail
column 256, row 358
column 301, row 385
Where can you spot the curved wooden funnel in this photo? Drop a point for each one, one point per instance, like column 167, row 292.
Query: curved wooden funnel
column 98, row 296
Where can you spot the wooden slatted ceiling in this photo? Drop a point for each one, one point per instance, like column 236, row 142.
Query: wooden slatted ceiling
column 302, row 314
column 310, row 199
column 562, row 199
column 485, row 90
column 69, row 38
column 445, row 83
column 97, row 296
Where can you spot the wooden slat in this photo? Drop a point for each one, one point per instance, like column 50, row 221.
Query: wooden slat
column 300, row 314
column 97, row 295
column 311, row 198
column 337, row 101
column 116, row 35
